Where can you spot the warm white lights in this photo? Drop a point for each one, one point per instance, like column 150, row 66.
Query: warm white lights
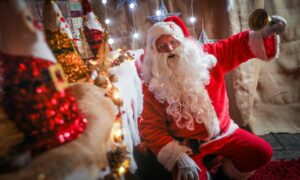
column 136, row 35
column 192, row 19
column 131, row 5
column 158, row 12
column 107, row 21
column 110, row 41
column 104, row 1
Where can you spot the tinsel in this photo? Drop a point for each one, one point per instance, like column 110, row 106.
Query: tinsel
column 47, row 117
column 67, row 55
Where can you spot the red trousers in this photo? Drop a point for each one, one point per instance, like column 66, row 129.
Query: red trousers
column 246, row 151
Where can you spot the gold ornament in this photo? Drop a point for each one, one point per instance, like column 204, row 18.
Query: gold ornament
column 67, row 55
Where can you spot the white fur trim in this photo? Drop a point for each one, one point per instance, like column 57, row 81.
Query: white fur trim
column 130, row 88
column 234, row 173
column 256, row 44
column 277, row 45
column 92, row 21
column 213, row 126
column 41, row 50
column 169, row 154
column 167, row 28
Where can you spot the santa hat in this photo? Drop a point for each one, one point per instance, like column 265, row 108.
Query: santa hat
column 172, row 25
column 53, row 18
column 86, row 7
column 90, row 20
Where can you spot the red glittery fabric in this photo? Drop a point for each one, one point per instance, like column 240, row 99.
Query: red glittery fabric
column 47, row 117
column 94, row 37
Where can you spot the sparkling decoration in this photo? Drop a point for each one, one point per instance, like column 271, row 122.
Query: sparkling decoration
column 192, row 19
column 161, row 14
column 47, row 117
column 67, row 55
column 110, row 41
column 87, row 52
column 104, row 2
column 122, row 57
column 118, row 158
column 132, row 3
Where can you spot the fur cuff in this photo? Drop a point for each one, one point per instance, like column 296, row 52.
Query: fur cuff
column 168, row 155
column 257, row 45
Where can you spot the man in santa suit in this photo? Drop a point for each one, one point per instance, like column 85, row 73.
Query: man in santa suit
column 185, row 115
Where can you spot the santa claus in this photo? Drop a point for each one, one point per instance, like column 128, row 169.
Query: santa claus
column 185, row 116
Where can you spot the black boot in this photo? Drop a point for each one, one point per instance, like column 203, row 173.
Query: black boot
column 220, row 175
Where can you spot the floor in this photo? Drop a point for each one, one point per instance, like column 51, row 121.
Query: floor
column 285, row 146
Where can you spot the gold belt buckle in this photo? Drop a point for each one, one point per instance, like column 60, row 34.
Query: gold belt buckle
column 58, row 77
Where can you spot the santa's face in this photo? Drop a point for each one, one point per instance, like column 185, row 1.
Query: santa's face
column 177, row 73
column 166, row 44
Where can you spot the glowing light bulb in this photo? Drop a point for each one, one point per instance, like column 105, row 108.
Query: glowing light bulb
column 116, row 94
column 104, row 1
column 132, row 5
column 118, row 134
column 158, row 12
column 136, row 35
column 107, row 21
column 192, row 19
column 110, row 41
column 121, row 170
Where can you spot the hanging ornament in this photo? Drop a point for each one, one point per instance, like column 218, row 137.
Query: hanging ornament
column 132, row 3
column 94, row 32
column 161, row 14
column 61, row 44
column 203, row 39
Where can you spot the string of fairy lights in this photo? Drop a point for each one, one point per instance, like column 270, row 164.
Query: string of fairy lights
column 160, row 14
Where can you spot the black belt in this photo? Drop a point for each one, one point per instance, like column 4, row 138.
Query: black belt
column 194, row 144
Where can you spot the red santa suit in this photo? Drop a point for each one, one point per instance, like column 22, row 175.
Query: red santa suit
column 246, row 151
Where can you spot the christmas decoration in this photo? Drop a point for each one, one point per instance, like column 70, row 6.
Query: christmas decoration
column 131, row 3
column 46, row 116
column 93, row 31
column 119, row 160
column 61, row 43
column 161, row 14
column 203, row 39
column 32, row 94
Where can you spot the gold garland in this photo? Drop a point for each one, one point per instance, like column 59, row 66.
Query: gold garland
column 118, row 159
column 67, row 55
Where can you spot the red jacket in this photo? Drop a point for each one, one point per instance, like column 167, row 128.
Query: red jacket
column 157, row 128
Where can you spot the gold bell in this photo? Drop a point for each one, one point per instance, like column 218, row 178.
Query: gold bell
column 258, row 19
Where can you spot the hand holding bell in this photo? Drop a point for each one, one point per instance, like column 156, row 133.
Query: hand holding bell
column 260, row 20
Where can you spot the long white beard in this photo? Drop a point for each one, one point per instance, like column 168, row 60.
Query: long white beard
column 180, row 81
